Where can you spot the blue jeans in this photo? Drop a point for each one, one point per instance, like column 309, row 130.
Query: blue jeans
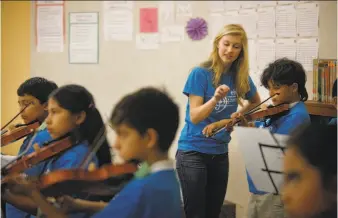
column 204, row 180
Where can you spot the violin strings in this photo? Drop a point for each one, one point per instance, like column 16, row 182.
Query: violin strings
column 254, row 109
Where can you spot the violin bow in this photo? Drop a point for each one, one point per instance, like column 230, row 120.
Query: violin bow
column 252, row 110
column 97, row 142
column 15, row 116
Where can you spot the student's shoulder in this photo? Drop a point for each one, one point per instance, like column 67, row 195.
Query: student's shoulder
column 299, row 111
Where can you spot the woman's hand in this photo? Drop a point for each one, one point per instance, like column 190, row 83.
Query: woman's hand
column 220, row 92
column 209, row 129
column 20, row 184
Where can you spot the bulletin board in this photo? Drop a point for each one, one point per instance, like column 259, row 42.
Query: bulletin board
column 163, row 54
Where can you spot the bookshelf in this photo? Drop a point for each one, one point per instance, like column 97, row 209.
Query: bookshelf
column 321, row 109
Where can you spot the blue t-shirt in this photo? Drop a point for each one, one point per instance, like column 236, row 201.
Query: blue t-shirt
column 41, row 137
column 284, row 125
column 200, row 83
column 156, row 195
column 70, row 159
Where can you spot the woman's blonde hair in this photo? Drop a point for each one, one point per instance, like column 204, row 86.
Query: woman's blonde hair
column 240, row 65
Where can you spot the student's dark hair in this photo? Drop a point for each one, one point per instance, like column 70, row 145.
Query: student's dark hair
column 149, row 108
column 37, row 87
column 334, row 89
column 317, row 144
column 286, row 72
column 75, row 99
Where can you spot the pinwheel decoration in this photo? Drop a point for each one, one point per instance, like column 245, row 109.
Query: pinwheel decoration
column 197, row 28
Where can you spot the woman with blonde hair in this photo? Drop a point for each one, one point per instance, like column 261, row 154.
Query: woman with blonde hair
column 215, row 88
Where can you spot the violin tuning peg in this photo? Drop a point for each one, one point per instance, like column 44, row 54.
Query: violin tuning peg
column 36, row 147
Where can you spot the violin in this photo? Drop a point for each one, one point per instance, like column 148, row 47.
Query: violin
column 270, row 112
column 104, row 181
column 20, row 131
column 48, row 150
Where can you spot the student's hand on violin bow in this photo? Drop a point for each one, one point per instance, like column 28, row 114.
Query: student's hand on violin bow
column 68, row 204
column 20, row 184
column 209, row 129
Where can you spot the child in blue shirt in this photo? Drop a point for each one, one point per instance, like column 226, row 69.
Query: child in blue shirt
column 287, row 79
column 145, row 123
column 71, row 111
column 310, row 172
column 33, row 93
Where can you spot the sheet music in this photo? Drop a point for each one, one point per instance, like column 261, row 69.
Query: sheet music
column 266, row 22
column 307, row 19
column 286, row 20
column 307, row 50
column 253, row 155
column 286, row 48
column 265, row 52
column 248, row 18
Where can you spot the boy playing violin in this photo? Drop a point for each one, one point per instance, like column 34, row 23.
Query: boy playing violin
column 145, row 123
column 32, row 94
column 285, row 79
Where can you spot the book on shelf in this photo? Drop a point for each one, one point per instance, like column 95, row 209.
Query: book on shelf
column 324, row 75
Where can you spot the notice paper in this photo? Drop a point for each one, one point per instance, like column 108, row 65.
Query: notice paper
column 307, row 19
column 183, row 9
column 286, row 48
column 147, row 41
column 174, row 33
column 148, row 20
column 166, row 12
column 307, row 50
column 49, row 28
column 266, row 22
column 83, row 39
column 118, row 21
column 265, row 52
column 286, row 21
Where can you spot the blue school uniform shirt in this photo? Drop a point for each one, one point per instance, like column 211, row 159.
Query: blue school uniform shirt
column 200, row 83
column 284, row 125
column 153, row 196
column 40, row 138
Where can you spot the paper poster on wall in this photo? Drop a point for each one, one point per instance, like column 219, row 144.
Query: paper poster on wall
column 174, row 33
column 252, row 55
column 265, row 52
column 267, row 3
column 166, row 12
column 286, row 48
column 248, row 18
column 216, row 6
column 183, row 9
column 50, row 28
column 266, row 22
column 117, row 24
column 307, row 50
column 83, row 38
column 49, row 2
column 307, row 19
column 148, row 20
column 232, row 5
column 286, row 20
column 249, row 4
column 149, row 41
column 111, row 5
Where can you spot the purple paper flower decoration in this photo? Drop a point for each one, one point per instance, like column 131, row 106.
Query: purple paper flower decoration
column 197, row 28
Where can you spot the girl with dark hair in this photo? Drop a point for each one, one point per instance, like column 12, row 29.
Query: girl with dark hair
column 310, row 169
column 71, row 112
